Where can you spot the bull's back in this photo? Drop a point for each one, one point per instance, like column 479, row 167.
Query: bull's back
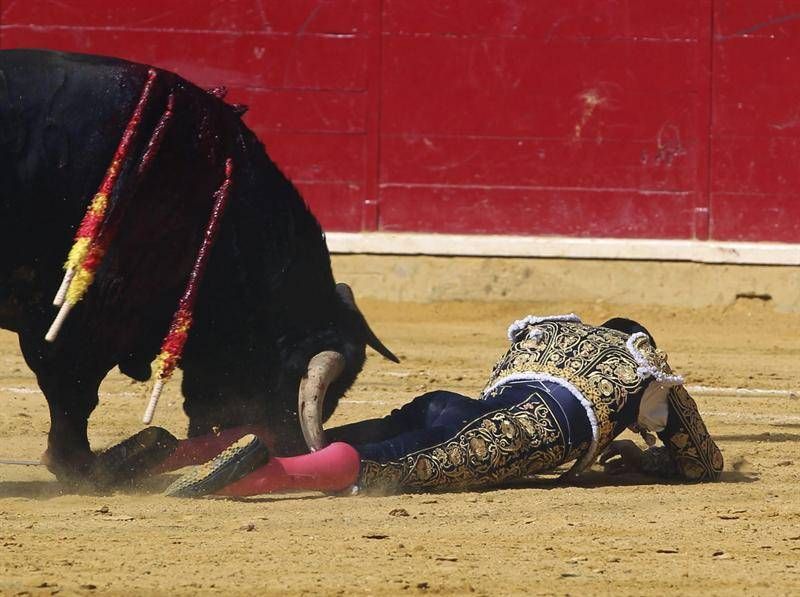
column 61, row 119
column 61, row 116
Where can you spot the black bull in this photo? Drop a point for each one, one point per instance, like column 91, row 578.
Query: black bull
column 267, row 304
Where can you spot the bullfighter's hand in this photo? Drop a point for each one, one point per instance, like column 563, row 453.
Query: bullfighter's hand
column 622, row 456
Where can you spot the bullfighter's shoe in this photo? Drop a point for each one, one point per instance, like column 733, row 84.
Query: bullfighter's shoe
column 236, row 462
column 133, row 458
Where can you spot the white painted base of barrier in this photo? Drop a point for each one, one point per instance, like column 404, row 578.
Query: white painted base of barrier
column 389, row 243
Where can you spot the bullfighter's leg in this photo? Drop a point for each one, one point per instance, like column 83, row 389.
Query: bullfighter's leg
column 523, row 428
column 455, row 443
column 200, row 449
column 422, row 413
column 331, row 469
column 426, row 419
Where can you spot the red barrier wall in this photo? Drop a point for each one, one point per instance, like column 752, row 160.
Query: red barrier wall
column 626, row 118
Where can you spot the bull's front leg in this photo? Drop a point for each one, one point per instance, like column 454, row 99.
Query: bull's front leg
column 71, row 401
column 71, row 393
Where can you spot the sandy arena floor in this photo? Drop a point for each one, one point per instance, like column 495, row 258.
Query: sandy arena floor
column 608, row 535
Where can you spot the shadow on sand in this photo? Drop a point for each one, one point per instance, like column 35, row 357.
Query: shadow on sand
column 767, row 436
column 44, row 490
column 35, row 490
column 598, row 479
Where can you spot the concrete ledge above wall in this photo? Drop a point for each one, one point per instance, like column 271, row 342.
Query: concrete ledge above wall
column 421, row 278
column 387, row 243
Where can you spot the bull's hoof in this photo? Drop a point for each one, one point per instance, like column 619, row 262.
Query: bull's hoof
column 236, row 462
column 70, row 468
column 123, row 464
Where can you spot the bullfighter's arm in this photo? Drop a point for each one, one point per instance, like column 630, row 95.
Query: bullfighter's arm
column 688, row 451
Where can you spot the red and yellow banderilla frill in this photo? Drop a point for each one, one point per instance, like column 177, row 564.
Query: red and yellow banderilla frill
column 175, row 340
column 93, row 238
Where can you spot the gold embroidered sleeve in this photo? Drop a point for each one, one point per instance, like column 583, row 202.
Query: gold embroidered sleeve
column 694, row 455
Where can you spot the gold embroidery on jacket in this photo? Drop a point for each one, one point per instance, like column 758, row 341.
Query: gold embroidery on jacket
column 594, row 360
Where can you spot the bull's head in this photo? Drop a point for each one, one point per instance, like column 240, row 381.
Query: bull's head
column 290, row 386
column 325, row 369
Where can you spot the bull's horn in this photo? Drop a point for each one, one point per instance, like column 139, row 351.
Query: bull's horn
column 323, row 369
column 346, row 294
